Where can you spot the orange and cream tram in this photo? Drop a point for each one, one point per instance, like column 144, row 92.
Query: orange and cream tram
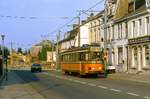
column 83, row 60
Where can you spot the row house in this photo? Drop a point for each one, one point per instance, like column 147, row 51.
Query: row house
column 127, row 34
column 96, row 29
column 139, row 38
column 128, row 31
column 69, row 39
column 119, row 38
column 76, row 35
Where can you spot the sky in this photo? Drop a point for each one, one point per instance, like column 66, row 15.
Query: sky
column 27, row 22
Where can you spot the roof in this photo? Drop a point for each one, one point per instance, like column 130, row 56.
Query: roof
column 139, row 10
column 72, row 34
column 96, row 16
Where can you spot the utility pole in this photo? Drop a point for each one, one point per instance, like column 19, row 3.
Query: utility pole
column 3, row 55
column 79, row 30
column 11, row 44
column 57, row 51
column 105, row 40
column 52, row 62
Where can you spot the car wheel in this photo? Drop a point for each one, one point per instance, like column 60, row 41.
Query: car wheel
column 32, row 70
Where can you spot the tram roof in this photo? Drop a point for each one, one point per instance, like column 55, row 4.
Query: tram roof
column 81, row 49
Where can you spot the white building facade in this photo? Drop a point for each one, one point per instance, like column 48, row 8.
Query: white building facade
column 139, row 42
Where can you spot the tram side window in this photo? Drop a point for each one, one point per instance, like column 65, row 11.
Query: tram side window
column 82, row 56
column 77, row 57
column 95, row 56
column 62, row 58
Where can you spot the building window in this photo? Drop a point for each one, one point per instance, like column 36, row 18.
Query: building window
column 140, row 27
column 126, row 29
column 95, row 23
column 133, row 28
column 120, row 54
column 135, row 57
column 147, row 57
column 147, row 25
column 113, row 35
column 99, row 21
column 120, row 31
column 108, row 34
column 91, row 25
column 148, row 3
column 131, row 7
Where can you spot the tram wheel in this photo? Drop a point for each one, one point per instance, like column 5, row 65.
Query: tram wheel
column 67, row 73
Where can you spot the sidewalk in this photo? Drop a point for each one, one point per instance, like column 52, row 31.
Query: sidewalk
column 144, row 78
column 15, row 88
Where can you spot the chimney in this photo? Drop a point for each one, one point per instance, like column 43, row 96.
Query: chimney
column 92, row 14
column 75, row 26
column 83, row 22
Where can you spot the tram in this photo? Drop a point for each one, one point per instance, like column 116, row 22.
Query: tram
column 83, row 60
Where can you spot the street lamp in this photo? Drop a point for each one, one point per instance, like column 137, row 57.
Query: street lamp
column 2, row 36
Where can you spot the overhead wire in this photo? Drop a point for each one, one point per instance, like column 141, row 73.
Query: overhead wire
column 66, row 24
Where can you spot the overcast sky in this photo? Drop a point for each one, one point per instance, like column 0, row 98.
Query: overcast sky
column 17, row 23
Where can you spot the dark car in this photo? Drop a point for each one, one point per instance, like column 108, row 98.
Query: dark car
column 36, row 67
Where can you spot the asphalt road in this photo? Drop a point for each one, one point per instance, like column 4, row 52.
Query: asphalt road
column 56, row 85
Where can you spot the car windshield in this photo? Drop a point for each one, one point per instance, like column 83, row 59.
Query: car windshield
column 36, row 65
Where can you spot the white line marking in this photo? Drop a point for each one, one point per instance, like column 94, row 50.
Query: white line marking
column 90, row 84
column 70, row 79
column 103, row 87
column 116, row 90
column 76, row 81
column 57, row 76
column 133, row 94
column 146, row 97
column 65, row 78
column 83, row 82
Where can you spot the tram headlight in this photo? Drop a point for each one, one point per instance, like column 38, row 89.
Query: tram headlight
column 93, row 68
column 100, row 68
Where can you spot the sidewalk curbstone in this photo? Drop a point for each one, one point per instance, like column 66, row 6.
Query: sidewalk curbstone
column 131, row 77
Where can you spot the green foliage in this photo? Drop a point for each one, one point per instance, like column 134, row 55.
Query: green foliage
column 42, row 55
column 6, row 52
column 20, row 50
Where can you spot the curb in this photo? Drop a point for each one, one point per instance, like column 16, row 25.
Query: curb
column 134, row 79
column 1, row 79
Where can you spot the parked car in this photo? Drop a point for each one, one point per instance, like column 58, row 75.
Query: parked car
column 111, row 69
column 36, row 67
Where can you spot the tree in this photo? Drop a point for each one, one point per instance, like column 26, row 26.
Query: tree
column 6, row 53
column 42, row 55
column 20, row 50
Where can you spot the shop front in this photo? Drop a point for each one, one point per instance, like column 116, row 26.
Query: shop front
column 139, row 54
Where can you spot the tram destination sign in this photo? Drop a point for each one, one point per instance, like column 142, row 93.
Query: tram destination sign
column 139, row 40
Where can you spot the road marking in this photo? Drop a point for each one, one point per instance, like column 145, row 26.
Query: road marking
column 90, row 84
column 146, row 97
column 57, row 76
column 116, row 90
column 133, row 94
column 76, row 80
column 65, row 78
column 45, row 73
column 70, row 79
column 83, row 82
column 103, row 87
